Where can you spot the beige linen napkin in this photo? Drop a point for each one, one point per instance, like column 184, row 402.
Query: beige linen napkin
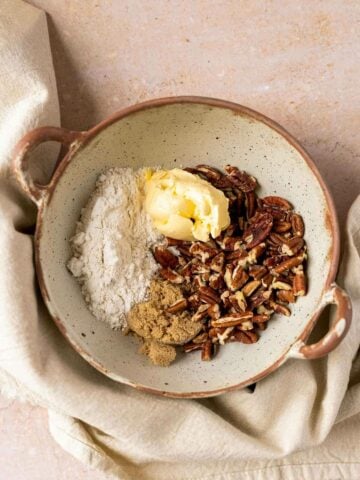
column 129, row 434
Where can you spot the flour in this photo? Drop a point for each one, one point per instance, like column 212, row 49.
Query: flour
column 111, row 259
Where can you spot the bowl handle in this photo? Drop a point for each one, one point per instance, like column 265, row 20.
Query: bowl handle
column 338, row 330
column 20, row 163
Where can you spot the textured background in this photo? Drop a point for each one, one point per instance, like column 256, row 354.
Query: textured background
column 297, row 62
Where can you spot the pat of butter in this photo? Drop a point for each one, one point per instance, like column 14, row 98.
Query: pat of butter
column 184, row 206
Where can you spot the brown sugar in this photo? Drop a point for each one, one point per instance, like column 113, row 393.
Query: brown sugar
column 159, row 353
column 151, row 321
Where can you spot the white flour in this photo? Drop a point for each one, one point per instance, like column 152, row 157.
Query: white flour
column 111, row 256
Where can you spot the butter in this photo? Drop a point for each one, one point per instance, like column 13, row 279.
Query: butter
column 184, row 206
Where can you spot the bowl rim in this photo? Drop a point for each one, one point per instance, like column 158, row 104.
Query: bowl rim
column 331, row 224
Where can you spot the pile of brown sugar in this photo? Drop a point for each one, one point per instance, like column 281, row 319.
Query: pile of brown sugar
column 160, row 329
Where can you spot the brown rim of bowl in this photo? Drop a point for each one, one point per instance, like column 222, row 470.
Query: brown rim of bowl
column 331, row 225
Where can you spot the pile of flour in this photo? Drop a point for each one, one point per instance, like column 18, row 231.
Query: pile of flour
column 111, row 259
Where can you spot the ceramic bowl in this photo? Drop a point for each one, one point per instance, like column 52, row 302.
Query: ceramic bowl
column 175, row 132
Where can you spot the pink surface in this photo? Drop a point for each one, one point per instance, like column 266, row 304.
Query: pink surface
column 297, row 62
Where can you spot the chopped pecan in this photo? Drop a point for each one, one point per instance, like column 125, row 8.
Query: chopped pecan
column 280, row 285
column 208, row 295
column 199, row 268
column 240, row 179
column 258, row 298
column 179, row 306
column 286, row 296
column 297, row 225
column 238, row 301
column 250, row 287
column 200, row 313
column 171, row 275
column 166, row 258
column 225, row 298
column 292, row 246
column 288, row 264
column 194, row 301
column 235, row 278
column 232, row 320
column 267, row 280
column 198, row 281
column 214, row 311
column 261, row 318
column 244, row 337
column 257, row 272
column 201, row 338
column 207, row 351
column 191, row 347
column 280, row 308
column 217, row 262
column 223, row 336
column 216, row 281
column 230, row 243
column 299, row 283
column 173, row 242
column 202, row 251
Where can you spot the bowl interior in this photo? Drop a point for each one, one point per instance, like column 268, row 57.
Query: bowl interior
column 175, row 135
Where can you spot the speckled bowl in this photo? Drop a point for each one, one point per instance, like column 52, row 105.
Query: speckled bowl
column 174, row 132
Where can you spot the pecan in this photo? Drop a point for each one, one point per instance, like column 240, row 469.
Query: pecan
column 214, row 311
column 250, row 287
column 225, row 298
column 250, row 204
column 240, row 179
column 288, row 264
column 278, row 202
column 223, row 336
column 178, row 306
column 191, row 347
column 280, row 285
column 173, row 242
column 275, row 260
column 203, row 251
column 244, row 337
column 257, row 272
column 217, row 262
column 237, row 255
column 230, row 231
column 299, row 284
column 230, row 243
column 245, row 326
column 281, row 226
column 208, row 295
column 198, row 281
column 210, row 172
column 201, row 338
column 257, row 232
column 194, row 300
column 292, row 246
column 279, row 308
column 199, row 268
column 258, row 298
column 267, row 280
column 276, row 213
column 235, row 278
column 255, row 253
column 238, row 301
column 216, row 281
column 262, row 310
column 286, row 296
column 297, row 225
column 200, row 313
column 207, row 351
column 166, row 258
column 186, row 270
column 232, row 320
column 261, row 318
column 171, row 275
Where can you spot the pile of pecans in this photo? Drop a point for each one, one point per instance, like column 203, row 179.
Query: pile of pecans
column 234, row 283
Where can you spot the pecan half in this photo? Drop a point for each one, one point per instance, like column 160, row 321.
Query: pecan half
column 297, row 225
column 288, row 264
column 240, row 179
column 257, row 232
column 278, row 202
